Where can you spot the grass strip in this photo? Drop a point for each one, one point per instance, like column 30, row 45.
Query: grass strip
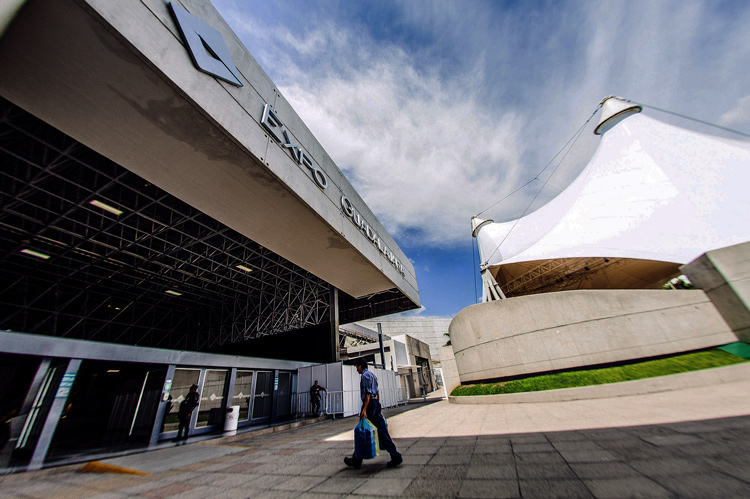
column 680, row 363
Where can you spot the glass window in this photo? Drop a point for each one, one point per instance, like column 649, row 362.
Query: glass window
column 183, row 380
column 210, row 410
column 243, row 386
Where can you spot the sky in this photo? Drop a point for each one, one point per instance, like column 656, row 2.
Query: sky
column 437, row 111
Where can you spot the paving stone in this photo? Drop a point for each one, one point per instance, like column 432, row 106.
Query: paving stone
column 705, row 485
column 539, row 457
column 586, row 456
column 403, row 471
column 493, row 440
column 328, row 469
column 492, row 459
column 469, row 440
column 299, row 483
column 668, row 466
column 169, row 490
column 384, row 486
column 495, row 489
column 321, row 495
column 500, row 448
column 455, row 449
column 272, row 494
column 528, row 438
column 239, row 468
column 444, row 472
column 566, row 436
column 544, row 471
column 450, row 459
column 737, row 469
column 423, row 487
column 337, row 485
column 505, row 472
column 603, row 470
column 203, row 491
column 103, row 495
column 519, row 448
column 579, row 445
column 417, row 459
column 666, row 440
column 547, row 489
column 421, row 450
column 618, row 488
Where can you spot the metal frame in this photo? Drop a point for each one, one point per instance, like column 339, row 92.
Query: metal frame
column 107, row 275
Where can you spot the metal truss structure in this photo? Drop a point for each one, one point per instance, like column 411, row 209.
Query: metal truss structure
column 138, row 266
column 557, row 275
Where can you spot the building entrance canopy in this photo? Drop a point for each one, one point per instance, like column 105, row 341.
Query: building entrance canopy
column 119, row 78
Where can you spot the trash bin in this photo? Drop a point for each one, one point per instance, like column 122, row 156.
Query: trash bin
column 230, row 420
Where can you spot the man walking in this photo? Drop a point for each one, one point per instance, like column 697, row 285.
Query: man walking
column 368, row 391
column 315, row 397
column 192, row 399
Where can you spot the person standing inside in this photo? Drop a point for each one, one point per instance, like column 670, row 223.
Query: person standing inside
column 368, row 391
column 315, row 397
column 192, row 399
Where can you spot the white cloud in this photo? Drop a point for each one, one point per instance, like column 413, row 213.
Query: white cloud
column 430, row 134
column 738, row 115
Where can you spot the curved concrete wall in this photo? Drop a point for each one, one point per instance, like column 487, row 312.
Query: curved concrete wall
column 569, row 329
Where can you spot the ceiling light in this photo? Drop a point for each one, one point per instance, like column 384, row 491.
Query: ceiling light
column 246, row 269
column 172, row 292
column 35, row 253
column 106, row 207
column 113, row 371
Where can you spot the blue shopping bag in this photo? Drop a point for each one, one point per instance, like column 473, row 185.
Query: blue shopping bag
column 366, row 444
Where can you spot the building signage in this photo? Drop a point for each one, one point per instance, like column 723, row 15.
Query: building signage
column 211, row 55
column 66, row 383
column 276, row 129
column 206, row 46
column 359, row 221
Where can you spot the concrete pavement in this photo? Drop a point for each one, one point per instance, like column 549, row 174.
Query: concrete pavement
column 687, row 443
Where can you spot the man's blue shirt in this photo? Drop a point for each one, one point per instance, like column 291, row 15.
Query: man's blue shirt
column 368, row 383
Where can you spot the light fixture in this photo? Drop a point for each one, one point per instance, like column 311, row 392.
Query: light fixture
column 105, row 207
column 173, row 292
column 35, row 253
column 113, row 371
column 246, row 269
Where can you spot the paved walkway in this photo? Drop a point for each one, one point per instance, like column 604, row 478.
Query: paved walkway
column 689, row 443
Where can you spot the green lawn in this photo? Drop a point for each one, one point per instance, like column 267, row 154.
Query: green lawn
column 637, row 370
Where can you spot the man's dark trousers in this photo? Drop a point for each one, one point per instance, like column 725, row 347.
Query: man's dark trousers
column 184, row 420
column 376, row 418
column 316, row 406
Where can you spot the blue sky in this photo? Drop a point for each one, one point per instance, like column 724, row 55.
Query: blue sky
column 435, row 110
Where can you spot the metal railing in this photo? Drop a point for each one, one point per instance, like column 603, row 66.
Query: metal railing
column 346, row 403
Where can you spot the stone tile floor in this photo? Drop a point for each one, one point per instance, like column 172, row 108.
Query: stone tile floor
column 703, row 458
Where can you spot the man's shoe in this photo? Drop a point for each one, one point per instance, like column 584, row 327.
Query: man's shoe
column 353, row 463
column 395, row 461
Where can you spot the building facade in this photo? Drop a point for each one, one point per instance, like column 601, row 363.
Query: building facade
column 166, row 218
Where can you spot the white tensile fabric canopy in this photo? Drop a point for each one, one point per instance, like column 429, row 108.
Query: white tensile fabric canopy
column 652, row 193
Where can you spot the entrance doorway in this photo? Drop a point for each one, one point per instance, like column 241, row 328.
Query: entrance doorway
column 112, row 406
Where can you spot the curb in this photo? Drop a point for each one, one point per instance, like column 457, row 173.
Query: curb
column 672, row 382
column 271, row 429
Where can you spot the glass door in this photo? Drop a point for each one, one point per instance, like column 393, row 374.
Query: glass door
column 242, row 396
column 284, row 396
column 211, row 408
column 263, row 396
column 183, row 380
